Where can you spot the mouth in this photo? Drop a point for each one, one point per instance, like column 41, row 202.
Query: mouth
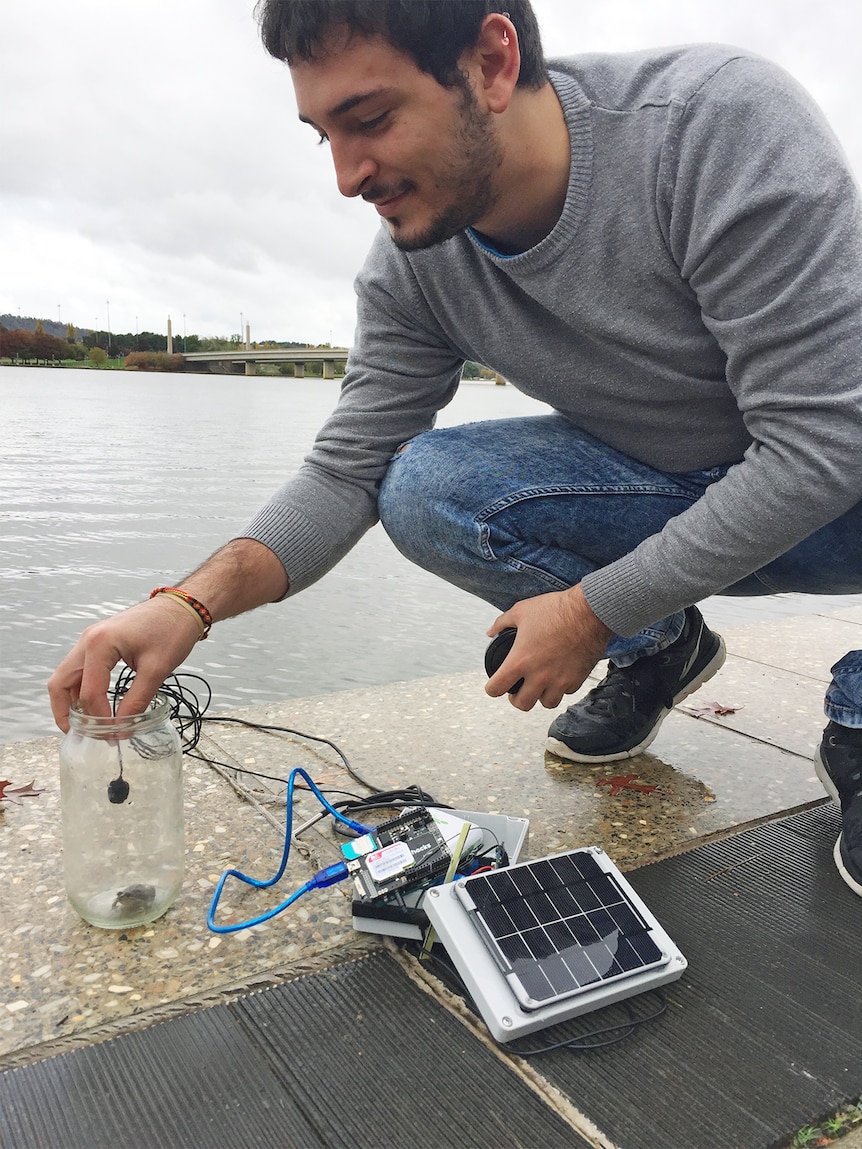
column 389, row 206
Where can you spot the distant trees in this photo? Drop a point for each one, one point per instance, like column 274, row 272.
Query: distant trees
column 26, row 339
column 153, row 361
column 144, row 341
column 28, row 323
column 92, row 339
column 27, row 346
column 122, row 344
column 473, row 370
column 36, row 345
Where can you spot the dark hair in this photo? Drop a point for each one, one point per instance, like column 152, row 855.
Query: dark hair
column 435, row 33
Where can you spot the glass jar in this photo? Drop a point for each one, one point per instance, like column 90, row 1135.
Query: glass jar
column 121, row 800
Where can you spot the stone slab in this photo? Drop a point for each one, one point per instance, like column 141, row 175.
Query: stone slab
column 807, row 646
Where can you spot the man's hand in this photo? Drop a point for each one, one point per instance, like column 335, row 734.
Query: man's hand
column 153, row 638
column 559, row 642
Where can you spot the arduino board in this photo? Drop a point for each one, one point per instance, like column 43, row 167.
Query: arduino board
column 401, row 854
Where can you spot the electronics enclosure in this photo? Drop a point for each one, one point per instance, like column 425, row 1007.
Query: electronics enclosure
column 488, row 987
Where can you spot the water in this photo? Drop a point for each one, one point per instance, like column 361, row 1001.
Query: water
column 112, row 483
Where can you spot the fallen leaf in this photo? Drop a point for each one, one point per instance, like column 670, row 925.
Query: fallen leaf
column 625, row 782
column 714, row 709
column 16, row 793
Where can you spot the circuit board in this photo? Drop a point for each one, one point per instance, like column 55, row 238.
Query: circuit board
column 402, row 854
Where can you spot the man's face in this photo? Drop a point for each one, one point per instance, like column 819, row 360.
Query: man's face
column 424, row 155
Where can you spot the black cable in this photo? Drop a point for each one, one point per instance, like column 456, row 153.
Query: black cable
column 188, row 712
column 577, row 1043
column 580, row 1043
column 187, row 709
column 269, row 777
column 388, row 800
column 188, row 706
column 299, row 734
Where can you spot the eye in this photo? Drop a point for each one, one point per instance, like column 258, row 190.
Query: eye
column 324, row 138
column 370, row 125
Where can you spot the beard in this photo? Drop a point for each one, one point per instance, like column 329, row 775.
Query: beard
column 465, row 179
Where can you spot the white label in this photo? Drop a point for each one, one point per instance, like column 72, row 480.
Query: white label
column 389, row 861
column 360, row 846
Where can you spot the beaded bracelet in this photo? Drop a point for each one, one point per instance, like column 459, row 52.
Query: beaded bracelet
column 200, row 611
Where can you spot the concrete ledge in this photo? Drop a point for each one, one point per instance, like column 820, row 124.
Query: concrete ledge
column 703, row 777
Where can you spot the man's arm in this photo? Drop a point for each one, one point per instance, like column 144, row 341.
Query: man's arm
column 763, row 221
column 155, row 636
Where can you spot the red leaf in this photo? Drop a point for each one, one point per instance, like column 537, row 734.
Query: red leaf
column 16, row 793
column 625, row 782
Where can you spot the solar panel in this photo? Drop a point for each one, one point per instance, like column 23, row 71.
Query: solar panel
column 546, row 940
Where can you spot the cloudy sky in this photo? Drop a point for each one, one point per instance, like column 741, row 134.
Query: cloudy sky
column 151, row 162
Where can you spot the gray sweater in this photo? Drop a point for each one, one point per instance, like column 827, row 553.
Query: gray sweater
column 699, row 302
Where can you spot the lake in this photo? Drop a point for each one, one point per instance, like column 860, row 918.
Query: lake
column 113, row 482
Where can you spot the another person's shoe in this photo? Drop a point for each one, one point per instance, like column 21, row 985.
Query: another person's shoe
column 621, row 716
column 838, row 762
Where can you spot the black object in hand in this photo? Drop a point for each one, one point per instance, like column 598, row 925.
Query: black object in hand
column 495, row 655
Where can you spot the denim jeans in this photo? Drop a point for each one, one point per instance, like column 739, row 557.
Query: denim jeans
column 512, row 508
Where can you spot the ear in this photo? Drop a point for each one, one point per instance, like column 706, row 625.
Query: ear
column 494, row 62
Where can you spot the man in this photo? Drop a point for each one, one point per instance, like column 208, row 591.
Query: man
column 665, row 247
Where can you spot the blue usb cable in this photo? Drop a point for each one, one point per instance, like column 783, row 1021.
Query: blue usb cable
column 326, row 877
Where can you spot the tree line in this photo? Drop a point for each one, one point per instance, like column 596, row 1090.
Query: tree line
column 25, row 338
column 27, row 345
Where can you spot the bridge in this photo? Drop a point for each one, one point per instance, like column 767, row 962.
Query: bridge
column 244, row 360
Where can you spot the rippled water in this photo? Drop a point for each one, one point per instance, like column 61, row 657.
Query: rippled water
column 112, row 483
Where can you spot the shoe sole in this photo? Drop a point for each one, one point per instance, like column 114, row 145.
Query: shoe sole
column 823, row 774
column 561, row 750
column 842, row 869
column 832, row 790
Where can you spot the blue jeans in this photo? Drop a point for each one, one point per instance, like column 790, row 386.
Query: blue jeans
column 512, row 508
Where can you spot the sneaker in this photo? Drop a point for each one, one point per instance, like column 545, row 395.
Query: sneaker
column 838, row 762
column 622, row 715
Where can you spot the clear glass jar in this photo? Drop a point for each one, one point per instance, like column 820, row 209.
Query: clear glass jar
column 121, row 798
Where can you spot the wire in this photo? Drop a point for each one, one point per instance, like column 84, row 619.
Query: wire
column 350, row 796
column 389, row 800
column 188, row 707
column 299, row 734
column 323, row 878
column 577, row 1043
column 581, row 1043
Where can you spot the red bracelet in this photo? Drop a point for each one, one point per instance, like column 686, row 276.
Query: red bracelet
column 204, row 616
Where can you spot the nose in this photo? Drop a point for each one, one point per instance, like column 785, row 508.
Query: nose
column 354, row 167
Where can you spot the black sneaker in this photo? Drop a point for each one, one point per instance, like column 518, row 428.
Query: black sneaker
column 622, row 715
column 838, row 762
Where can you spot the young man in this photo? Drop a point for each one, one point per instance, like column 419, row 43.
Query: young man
column 665, row 247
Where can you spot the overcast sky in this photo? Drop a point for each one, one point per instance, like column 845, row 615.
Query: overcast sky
column 151, row 161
